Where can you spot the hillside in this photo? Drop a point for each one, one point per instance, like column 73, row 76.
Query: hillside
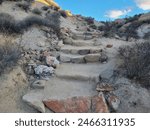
column 50, row 62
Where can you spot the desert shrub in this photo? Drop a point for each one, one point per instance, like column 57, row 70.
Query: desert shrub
column 54, row 21
column 37, row 11
column 131, row 29
column 147, row 36
column 9, row 25
column 89, row 20
column 93, row 26
column 24, row 5
column 132, row 19
column 1, row 1
column 136, row 62
column 63, row 13
column 30, row 21
column 29, row 1
column 110, row 29
column 9, row 55
column 45, row 8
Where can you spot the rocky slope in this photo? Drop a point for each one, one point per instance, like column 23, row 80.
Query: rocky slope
column 75, row 70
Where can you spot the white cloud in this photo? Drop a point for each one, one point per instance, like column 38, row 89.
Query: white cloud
column 117, row 13
column 143, row 4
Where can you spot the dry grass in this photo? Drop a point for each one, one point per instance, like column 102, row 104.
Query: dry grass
column 9, row 25
column 9, row 54
column 136, row 62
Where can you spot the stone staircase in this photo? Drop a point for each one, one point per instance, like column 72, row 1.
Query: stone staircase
column 76, row 77
column 78, row 72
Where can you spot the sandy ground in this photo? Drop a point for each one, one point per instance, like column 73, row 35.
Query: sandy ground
column 13, row 86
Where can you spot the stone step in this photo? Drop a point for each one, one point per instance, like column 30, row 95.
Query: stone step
column 67, row 58
column 82, row 50
column 57, row 88
column 78, row 35
column 82, row 72
column 82, row 36
column 70, row 41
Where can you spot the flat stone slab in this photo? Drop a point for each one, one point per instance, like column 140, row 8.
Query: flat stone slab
column 94, row 104
column 57, row 88
column 90, row 71
column 70, row 105
column 34, row 99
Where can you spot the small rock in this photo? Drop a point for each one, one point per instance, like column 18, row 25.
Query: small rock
column 48, row 35
column 41, row 44
column 31, row 63
column 52, row 61
column 46, row 53
column 27, row 56
column 65, row 58
column 38, row 84
column 60, row 43
column 44, row 71
column 104, row 62
column 31, row 78
column 114, row 102
column 30, row 70
column 68, row 41
column 109, row 46
column 21, row 62
column 104, row 87
column 116, row 36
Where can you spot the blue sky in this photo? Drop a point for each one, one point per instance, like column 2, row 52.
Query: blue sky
column 106, row 9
